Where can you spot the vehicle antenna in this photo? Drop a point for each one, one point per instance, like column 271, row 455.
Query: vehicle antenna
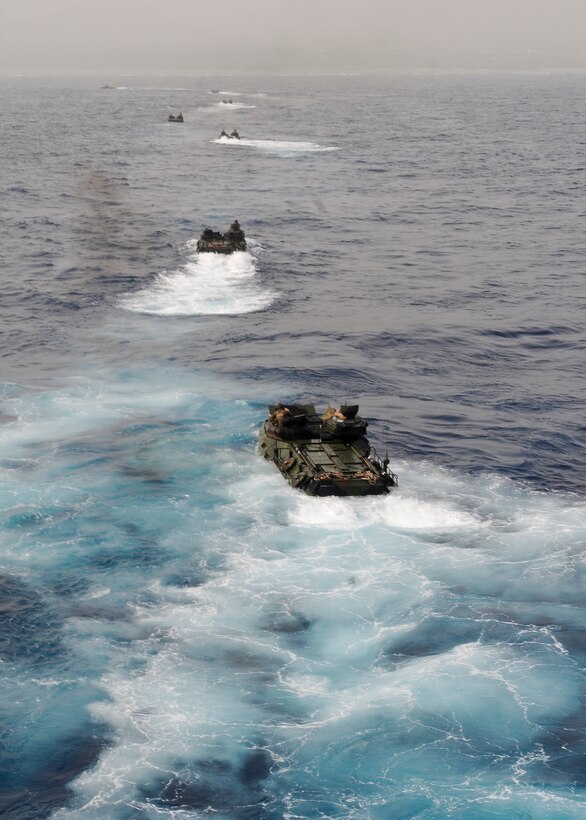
column 388, row 425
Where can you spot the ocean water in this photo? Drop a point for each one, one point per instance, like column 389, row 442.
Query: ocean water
column 183, row 635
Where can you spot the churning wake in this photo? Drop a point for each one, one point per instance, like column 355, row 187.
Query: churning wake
column 222, row 644
column 231, row 105
column 280, row 147
column 208, row 284
column 240, row 93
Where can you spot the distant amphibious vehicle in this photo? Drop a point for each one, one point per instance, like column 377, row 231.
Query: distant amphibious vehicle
column 216, row 242
column 324, row 455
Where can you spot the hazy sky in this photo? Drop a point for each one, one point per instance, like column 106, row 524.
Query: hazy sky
column 114, row 35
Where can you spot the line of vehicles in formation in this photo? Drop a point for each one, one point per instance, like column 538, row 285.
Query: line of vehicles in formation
column 325, row 454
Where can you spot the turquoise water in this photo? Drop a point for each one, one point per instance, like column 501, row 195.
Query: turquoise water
column 207, row 636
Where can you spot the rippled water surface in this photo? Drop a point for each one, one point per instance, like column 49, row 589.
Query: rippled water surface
column 183, row 635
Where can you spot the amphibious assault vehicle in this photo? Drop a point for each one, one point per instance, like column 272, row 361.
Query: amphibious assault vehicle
column 326, row 454
column 216, row 242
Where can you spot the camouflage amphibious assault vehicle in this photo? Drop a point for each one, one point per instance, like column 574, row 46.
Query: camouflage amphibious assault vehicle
column 216, row 242
column 324, row 455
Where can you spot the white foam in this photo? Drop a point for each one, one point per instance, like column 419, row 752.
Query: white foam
column 310, row 632
column 225, row 104
column 192, row 699
column 399, row 510
column 239, row 93
column 209, row 284
column 283, row 147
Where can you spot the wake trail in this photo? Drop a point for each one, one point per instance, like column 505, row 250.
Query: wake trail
column 208, row 284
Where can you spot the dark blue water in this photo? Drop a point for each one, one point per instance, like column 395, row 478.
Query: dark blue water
column 183, row 635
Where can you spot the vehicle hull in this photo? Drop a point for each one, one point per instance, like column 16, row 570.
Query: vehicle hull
column 219, row 247
column 215, row 242
column 320, row 464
